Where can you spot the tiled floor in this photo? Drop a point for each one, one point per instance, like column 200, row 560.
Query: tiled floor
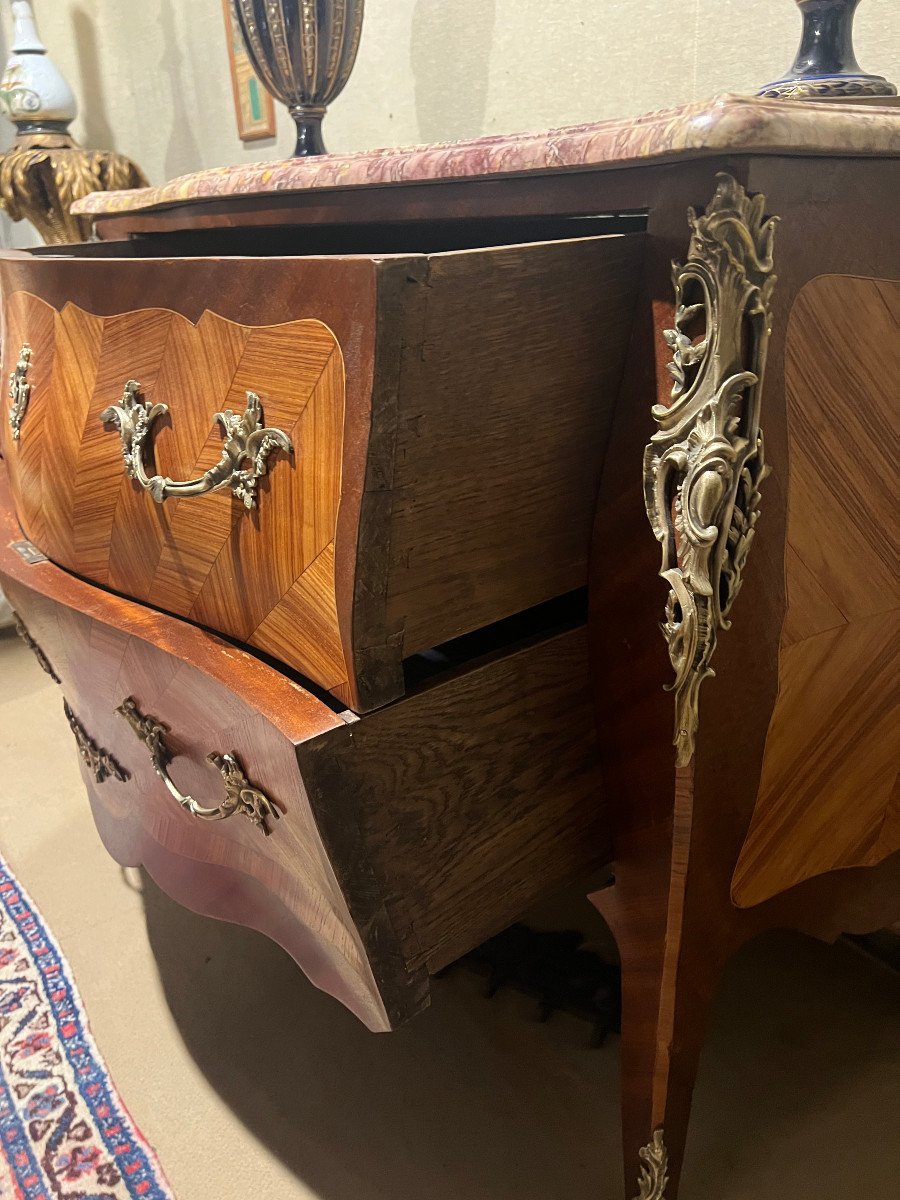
column 253, row 1086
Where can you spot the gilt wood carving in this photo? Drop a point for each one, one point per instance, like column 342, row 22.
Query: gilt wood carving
column 702, row 470
column 43, row 174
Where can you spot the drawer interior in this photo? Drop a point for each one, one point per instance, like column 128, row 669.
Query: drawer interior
column 373, row 238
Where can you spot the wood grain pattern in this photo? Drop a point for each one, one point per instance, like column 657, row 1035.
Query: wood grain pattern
column 205, row 331
column 828, row 796
column 205, row 558
column 504, row 414
column 425, row 499
column 476, row 794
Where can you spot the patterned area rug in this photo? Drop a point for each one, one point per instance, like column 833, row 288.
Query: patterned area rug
column 64, row 1132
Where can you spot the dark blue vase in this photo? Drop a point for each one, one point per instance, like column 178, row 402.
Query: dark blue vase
column 825, row 66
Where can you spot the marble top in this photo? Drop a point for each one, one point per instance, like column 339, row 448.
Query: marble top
column 726, row 124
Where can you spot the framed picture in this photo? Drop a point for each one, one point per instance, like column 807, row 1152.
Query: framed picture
column 253, row 106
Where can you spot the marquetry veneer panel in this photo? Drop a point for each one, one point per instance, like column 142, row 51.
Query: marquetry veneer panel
column 828, row 796
column 205, row 558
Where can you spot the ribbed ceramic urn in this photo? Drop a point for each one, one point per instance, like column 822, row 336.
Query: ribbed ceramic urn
column 826, row 66
column 303, row 51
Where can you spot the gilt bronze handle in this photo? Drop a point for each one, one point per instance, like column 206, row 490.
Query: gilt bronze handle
column 101, row 764
column 240, row 797
column 43, row 661
column 244, row 456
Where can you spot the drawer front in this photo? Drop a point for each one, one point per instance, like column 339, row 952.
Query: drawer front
column 272, row 874
column 447, row 415
column 263, row 574
column 374, row 849
column 213, row 699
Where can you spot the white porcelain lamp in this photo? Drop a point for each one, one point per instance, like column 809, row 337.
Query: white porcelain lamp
column 33, row 93
column 46, row 170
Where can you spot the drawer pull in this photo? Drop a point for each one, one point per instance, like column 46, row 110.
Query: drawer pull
column 240, row 797
column 99, row 762
column 19, row 391
column 43, row 661
column 247, row 442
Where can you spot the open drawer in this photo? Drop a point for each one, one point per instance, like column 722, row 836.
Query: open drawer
column 419, row 408
column 374, row 849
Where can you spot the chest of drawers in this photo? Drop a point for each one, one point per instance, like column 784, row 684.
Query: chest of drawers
column 323, row 500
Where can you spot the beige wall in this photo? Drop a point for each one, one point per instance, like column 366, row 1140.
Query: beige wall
column 153, row 82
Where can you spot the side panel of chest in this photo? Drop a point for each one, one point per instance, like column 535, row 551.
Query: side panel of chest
column 828, row 795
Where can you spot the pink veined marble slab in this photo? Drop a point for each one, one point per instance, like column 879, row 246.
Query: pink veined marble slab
column 724, row 124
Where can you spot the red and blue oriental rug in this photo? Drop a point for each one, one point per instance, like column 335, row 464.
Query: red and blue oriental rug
column 64, row 1132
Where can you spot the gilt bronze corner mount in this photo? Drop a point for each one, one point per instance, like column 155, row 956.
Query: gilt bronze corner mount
column 19, row 391
column 654, row 1174
column 703, row 468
